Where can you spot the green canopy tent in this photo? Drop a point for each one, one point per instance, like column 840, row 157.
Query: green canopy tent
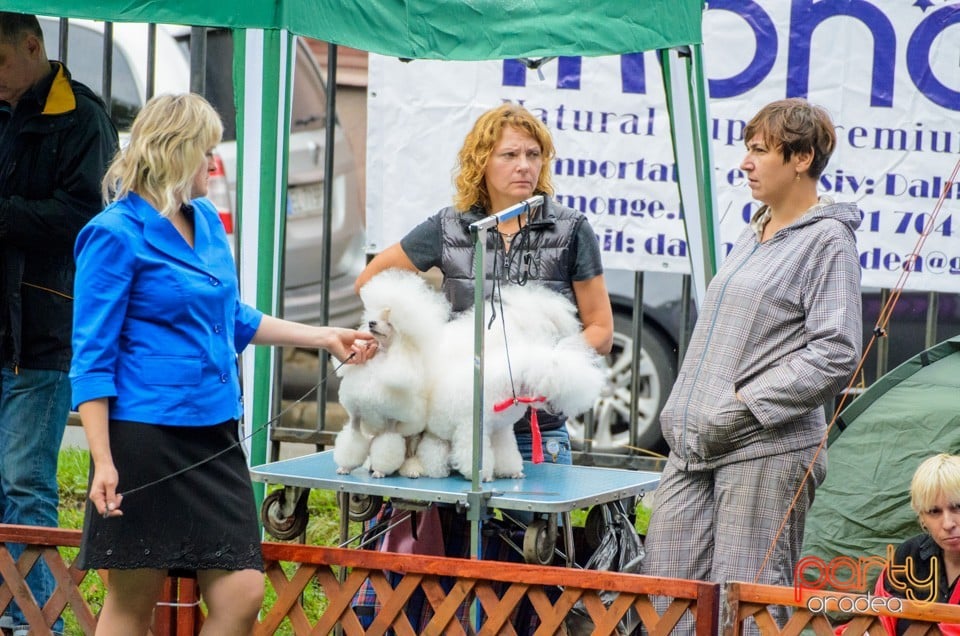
column 876, row 445
column 428, row 29
column 435, row 29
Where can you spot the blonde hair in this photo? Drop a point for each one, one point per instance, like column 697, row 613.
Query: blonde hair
column 478, row 146
column 168, row 143
column 936, row 476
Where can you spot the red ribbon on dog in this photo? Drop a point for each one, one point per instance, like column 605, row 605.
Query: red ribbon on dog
column 537, row 442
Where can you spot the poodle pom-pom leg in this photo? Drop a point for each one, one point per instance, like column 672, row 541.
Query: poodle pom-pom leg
column 387, row 453
column 461, row 455
column 433, row 454
column 412, row 467
column 507, row 461
column 350, row 449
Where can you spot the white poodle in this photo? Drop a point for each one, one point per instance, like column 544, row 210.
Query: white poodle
column 532, row 349
column 388, row 396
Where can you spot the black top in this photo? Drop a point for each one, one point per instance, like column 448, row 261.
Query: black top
column 423, row 245
column 917, row 581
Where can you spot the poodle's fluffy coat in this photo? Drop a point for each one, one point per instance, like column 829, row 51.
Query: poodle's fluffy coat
column 532, row 348
column 411, row 405
column 387, row 397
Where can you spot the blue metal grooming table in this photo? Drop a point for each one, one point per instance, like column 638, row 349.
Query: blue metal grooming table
column 546, row 488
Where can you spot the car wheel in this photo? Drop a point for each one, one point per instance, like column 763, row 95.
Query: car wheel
column 611, row 411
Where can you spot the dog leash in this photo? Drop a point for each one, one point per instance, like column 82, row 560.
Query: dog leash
column 263, row 426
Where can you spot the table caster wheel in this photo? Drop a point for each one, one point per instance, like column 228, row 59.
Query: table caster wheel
column 539, row 540
column 364, row 507
column 595, row 527
column 281, row 519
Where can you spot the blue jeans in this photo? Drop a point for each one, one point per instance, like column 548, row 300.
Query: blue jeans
column 556, row 450
column 556, row 446
column 34, row 404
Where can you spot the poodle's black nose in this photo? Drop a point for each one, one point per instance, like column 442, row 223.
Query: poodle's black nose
column 372, row 324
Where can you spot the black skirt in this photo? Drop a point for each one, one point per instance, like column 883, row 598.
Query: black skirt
column 200, row 519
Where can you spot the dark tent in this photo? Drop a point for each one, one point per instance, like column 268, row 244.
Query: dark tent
column 908, row 415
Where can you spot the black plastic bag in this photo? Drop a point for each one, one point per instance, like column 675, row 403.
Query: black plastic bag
column 620, row 550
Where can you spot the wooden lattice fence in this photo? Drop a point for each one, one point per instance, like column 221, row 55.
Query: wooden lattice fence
column 821, row 612
column 496, row 588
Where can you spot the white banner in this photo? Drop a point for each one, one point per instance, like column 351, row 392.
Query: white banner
column 887, row 70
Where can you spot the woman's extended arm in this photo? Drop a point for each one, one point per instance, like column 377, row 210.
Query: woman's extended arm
column 340, row 342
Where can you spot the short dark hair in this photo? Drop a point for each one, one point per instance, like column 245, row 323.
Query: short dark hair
column 14, row 26
column 795, row 125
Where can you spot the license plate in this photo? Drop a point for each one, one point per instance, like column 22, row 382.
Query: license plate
column 305, row 200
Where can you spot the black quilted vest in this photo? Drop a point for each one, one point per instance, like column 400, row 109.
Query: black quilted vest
column 542, row 252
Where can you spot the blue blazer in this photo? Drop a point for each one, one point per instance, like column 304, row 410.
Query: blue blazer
column 157, row 326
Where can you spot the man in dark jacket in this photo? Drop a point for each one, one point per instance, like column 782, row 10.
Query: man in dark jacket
column 56, row 140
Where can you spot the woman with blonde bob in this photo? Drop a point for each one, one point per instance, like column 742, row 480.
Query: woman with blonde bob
column 158, row 324
column 926, row 567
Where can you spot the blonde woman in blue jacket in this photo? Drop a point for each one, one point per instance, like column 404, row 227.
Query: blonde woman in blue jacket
column 158, row 324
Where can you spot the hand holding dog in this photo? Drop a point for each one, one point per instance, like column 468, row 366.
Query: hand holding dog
column 340, row 342
column 348, row 345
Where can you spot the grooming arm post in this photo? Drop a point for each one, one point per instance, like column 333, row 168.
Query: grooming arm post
column 474, row 513
column 478, row 230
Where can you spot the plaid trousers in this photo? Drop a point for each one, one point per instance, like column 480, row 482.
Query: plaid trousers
column 719, row 524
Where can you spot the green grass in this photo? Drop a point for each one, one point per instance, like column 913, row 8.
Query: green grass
column 72, row 473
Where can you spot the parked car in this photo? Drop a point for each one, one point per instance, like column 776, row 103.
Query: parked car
column 661, row 328
column 658, row 363
column 304, row 235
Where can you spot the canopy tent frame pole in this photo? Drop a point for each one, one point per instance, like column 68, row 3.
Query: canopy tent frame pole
column 683, row 80
column 262, row 58
column 685, row 88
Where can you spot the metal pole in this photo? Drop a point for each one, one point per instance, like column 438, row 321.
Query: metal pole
column 684, row 331
column 637, row 354
column 329, row 136
column 933, row 309
column 473, row 512
column 198, row 60
column 478, row 230
column 883, row 346
column 107, row 79
column 151, row 60
column 64, row 37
